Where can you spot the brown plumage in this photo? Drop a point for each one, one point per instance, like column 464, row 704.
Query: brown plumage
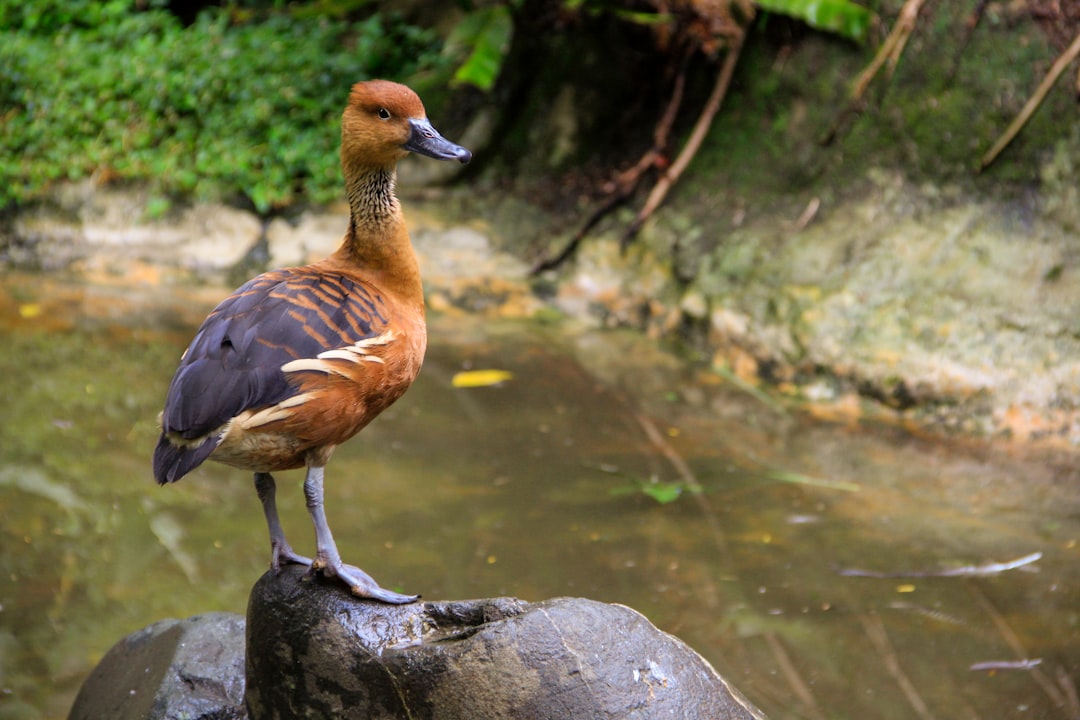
column 297, row 361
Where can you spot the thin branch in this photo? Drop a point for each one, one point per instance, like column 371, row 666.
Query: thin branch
column 890, row 51
column 550, row 263
column 660, row 442
column 697, row 492
column 1033, row 102
column 621, row 187
column 1068, row 687
column 1013, row 641
column 875, row 630
column 794, row 680
column 970, row 25
column 697, row 136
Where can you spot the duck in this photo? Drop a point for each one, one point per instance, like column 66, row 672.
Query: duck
column 299, row 360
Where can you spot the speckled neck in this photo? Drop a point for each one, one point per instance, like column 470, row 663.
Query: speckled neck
column 372, row 202
column 377, row 243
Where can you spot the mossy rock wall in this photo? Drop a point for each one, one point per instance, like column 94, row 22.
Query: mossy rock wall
column 881, row 273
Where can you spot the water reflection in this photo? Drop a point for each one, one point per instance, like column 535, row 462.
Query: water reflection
column 605, row 468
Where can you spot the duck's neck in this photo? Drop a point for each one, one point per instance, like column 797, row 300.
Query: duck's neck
column 377, row 242
column 372, row 201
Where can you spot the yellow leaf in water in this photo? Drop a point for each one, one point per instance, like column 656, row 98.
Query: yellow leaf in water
column 480, row 378
column 28, row 311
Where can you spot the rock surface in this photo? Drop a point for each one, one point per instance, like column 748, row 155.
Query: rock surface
column 920, row 306
column 172, row 670
column 316, row 651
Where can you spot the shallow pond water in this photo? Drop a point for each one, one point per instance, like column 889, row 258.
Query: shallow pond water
column 605, row 468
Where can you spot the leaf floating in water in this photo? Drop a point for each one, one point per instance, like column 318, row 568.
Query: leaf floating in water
column 480, row 378
column 29, row 311
column 800, row 479
column 661, row 492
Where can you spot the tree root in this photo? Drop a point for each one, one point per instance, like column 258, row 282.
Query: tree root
column 693, row 143
column 622, row 187
column 890, row 52
column 1070, row 54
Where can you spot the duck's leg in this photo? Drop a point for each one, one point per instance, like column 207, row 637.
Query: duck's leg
column 327, row 558
column 280, row 550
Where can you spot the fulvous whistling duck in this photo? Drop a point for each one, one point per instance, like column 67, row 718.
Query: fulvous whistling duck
column 297, row 361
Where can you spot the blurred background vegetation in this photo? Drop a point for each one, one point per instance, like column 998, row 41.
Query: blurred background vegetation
column 241, row 100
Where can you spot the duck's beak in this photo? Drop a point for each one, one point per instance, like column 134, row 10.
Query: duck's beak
column 426, row 140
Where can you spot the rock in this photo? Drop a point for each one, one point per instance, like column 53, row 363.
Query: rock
column 310, row 237
column 174, row 669
column 461, row 269
column 111, row 227
column 316, row 651
column 957, row 316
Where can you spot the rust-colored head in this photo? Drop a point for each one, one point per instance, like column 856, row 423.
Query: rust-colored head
column 383, row 122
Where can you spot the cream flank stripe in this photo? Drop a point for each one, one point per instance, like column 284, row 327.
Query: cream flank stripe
column 355, row 353
column 358, row 352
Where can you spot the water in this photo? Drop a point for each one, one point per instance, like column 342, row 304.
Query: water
column 604, row 468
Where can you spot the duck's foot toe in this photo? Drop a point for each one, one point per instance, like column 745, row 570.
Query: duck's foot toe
column 284, row 555
column 360, row 583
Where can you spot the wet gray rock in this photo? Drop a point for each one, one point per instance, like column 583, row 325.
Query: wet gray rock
column 174, row 669
column 315, row 651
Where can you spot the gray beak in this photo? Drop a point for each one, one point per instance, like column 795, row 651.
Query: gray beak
column 426, row 140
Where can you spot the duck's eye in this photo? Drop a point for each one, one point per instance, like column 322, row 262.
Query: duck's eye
column 384, row 114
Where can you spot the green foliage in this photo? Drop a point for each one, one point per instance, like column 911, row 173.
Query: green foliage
column 213, row 109
column 43, row 17
column 836, row 16
column 842, row 17
column 486, row 32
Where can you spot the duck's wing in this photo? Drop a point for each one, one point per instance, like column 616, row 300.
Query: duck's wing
column 235, row 361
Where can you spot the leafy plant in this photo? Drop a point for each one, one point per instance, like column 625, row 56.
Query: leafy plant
column 213, row 109
column 486, row 34
column 842, row 17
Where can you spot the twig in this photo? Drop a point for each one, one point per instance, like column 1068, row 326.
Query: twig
column 665, row 448
column 1068, row 687
column 1013, row 641
column 571, row 247
column 658, row 440
column 1033, row 102
column 991, row 568
column 693, row 143
column 890, row 51
column 807, row 215
column 1026, row 664
column 794, row 680
column 622, row 186
column 970, row 25
column 875, row 630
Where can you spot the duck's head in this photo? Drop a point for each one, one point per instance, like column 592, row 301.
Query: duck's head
column 384, row 121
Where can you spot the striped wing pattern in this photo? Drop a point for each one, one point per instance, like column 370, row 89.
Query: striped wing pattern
column 240, row 359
